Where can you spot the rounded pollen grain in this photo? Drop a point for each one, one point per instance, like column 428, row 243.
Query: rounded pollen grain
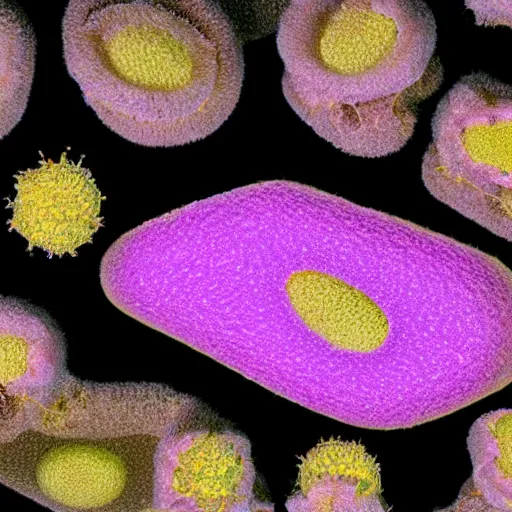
column 338, row 459
column 355, row 40
column 56, row 207
column 338, row 312
column 13, row 358
column 210, row 471
column 81, row 476
column 163, row 74
column 356, row 71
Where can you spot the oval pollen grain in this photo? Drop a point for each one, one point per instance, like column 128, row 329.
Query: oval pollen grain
column 341, row 314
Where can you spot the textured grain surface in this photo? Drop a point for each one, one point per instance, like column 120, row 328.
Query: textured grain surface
column 474, row 179
column 213, row 274
column 137, row 111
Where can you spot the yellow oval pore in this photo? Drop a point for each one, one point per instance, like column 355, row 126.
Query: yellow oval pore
column 81, row 476
column 490, row 144
column 503, row 433
column 353, row 40
column 338, row 312
column 150, row 58
column 13, row 358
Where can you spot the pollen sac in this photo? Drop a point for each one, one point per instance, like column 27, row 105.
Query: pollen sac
column 157, row 75
column 56, row 207
column 355, row 70
column 17, row 64
column 469, row 164
column 491, row 12
column 338, row 476
column 308, row 294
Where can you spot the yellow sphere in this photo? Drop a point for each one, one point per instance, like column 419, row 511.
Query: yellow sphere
column 81, row 476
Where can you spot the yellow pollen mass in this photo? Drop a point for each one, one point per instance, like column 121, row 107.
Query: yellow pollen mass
column 57, row 207
column 338, row 312
column 338, row 459
column 209, row 471
column 81, row 476
column 354, row 40
column 503, row 434
column 150, row 58
column 490, row 144
column 13, row 358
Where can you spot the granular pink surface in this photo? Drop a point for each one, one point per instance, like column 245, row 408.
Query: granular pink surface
column 213, row 275
column 17, row 64
column 474, row 189
column 491, row 12
column 322, row 97
column 495, row 487
column 155, row 117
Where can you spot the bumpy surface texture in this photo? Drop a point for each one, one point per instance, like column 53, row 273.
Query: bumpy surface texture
column 73, row 445
column 164, row 90
column 17, row 64
column 340, row 477
column 489, row 444
column 470, row 499
column 355, row 70
column 213, row 274
column 253, row 19
column 491, row 12
column 468, row 166
column 56, row 207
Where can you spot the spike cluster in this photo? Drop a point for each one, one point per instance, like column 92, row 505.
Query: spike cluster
column 75, row 445
column 469, row 164
column 158, row 75
column 338, row 476
column 57, row 206
column 17, row 64
column 355, row 70
column 312, row 294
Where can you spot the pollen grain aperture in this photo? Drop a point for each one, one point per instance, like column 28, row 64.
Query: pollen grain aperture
column 338, row 312
column 356, row 40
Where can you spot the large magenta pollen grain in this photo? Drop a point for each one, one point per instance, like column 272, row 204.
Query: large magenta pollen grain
column 213, row 275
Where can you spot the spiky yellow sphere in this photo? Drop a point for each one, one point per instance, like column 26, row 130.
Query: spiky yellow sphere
column 338, row 459
column 210, row 471
column 57, row 206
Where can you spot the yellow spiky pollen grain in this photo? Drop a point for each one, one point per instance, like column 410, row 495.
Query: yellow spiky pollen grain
column 210, row 471
column 503, row 433
column 353, row 40
column 81, row 476
column 338, row 312
column 57, row 206
column 340, row 459
column 490, row 144
column 150, row 58
column 13, row 358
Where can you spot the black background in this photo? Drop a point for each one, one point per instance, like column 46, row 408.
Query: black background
column 422, row 468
